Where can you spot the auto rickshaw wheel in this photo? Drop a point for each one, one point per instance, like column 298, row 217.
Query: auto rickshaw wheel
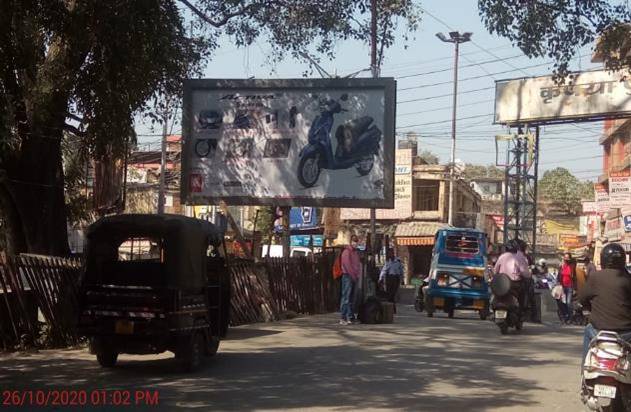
column 190, row 351
column 504, row 329
column 107, row 357
column 484, row 314
column 450, row 313
column 418, row 306
column 519, row 325
column 213, row 346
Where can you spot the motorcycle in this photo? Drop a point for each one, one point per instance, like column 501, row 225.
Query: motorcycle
column 419, row 283
column 505, row 305
column 358, row 143
column 606, row 380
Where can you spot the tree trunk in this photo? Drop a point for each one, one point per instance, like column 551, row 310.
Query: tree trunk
column 33, row 202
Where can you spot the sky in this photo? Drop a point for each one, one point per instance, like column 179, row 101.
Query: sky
column 484, row 60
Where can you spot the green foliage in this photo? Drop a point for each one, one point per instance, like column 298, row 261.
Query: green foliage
column 429, row 157
column 472, row 171
column 564, row 191
column 85, row 68
column 265, row 221
column 558, row 28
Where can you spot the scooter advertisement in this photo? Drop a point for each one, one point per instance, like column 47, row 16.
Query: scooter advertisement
column 309, row 142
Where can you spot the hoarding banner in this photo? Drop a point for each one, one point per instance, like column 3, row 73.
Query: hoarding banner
column 294, row 142
column 402, row 192
column 620, row 189
column 592, row 94
column 602, row 197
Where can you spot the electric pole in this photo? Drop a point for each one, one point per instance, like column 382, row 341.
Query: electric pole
column 163, row 161
column 456, row 38
column 375, row 73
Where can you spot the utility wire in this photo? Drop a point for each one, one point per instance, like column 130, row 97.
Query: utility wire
column 448, row 69
column 444, row 95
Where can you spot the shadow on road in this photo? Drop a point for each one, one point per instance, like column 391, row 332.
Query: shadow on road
column 444, row 364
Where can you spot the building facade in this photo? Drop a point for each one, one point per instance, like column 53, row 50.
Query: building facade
column 421, row 208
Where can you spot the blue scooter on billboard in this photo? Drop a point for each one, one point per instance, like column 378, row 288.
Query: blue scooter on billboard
column 357, row 144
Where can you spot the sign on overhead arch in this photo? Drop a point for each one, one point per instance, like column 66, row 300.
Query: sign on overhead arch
column 294, row 142
column 590, row 95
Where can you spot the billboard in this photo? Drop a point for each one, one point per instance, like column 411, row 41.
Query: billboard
column 402, row 192
column 302, row 142
column 592, row 94
column 620, row 189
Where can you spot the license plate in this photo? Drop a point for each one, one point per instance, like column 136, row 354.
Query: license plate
column 500, row 314
column 605, row 391
column 124, row 327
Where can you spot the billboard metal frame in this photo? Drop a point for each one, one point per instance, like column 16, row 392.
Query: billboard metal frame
column 388, row 85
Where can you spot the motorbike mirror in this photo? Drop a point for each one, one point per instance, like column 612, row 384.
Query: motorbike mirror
column 344, row 97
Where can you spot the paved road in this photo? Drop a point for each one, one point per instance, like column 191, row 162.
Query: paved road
column 312, row 363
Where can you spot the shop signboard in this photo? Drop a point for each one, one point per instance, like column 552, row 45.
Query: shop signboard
column 303, row 218
column 614, row 229
column 620, row 189
column 590, row 95
column 602, row 198
column 292, row 142
column 306, row 240
column 590, row 207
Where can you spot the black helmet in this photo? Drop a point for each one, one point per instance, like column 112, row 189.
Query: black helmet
column 613, row 256
column 521, row 245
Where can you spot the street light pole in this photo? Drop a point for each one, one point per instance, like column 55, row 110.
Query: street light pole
column 456, row 38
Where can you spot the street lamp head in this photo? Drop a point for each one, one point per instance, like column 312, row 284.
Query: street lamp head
column 454, row 35
column 466, row 36
column 443, row 38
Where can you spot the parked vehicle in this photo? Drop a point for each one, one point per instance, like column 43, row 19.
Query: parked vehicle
column 358, row 143
column 606, row 380
column 457, row 273
column 154, row 283
column 505, row 305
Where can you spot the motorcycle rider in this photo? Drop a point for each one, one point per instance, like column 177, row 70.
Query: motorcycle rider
column 608, row 293
column 514, row 264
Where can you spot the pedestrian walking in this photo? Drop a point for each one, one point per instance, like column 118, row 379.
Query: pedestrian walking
column 351, row 271
column 567, row 279
column 589, row 268
column 390, row 277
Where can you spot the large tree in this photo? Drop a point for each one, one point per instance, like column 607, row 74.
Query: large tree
column 559, row 28
column 564, row 191
column 84, row 68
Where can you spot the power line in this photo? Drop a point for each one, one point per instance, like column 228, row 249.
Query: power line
column 446, row 121
column 444, row 95
column 451, row 68
column 469, row 78
column 446, row 107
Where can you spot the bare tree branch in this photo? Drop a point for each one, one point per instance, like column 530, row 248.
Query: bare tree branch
column 216, row 23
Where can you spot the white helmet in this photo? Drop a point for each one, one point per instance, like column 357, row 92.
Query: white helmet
column 542, row 262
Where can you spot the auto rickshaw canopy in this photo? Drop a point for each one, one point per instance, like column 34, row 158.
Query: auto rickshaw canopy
column 184, row 242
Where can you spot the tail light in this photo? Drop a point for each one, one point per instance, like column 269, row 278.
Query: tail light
column 606, row 364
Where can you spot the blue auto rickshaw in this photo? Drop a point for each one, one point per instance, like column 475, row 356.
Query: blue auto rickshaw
column 457, row 274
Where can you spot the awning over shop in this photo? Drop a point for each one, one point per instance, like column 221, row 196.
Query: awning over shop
column 415, row 241
column 417, row 233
